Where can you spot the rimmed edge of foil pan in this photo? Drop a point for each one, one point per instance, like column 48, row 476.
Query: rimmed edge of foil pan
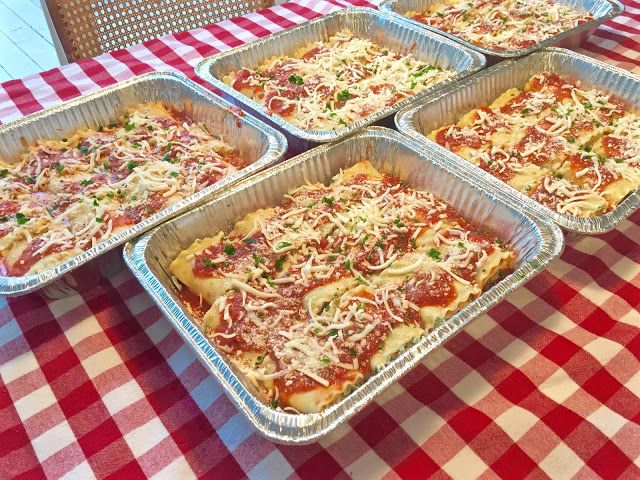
column 384, row 28
column 483, row 87
column 602, row 10
column 104, row 105
column 537, row 241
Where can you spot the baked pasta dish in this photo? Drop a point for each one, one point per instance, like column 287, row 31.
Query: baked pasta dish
column 330, row 84
column 309, row 298
column 63, row 197
column 572, row 149
column 502, row 24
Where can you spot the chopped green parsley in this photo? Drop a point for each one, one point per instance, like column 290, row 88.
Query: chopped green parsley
column 435, row 254
column 297, row 79
column 21, row 218
column 328, row 201
column 344, row 95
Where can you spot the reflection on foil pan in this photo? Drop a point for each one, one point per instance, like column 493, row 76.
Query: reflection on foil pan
column 535, row 240
column 255, row 142
column 602, row 11
column 481, row 89
column 385, row 29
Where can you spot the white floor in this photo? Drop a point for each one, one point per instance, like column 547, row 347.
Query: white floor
column 25, row 43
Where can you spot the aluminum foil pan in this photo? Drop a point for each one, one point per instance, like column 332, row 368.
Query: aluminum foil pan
column 256, row 142
column 482, row 88
column 602, row 11
column 536, row 240
column 383, row 28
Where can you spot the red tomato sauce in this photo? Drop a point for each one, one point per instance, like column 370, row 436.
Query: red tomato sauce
column 245, row 330
column 234, row 159
column 495, row 169
column 607, row 115
column 486, row 240
column 432, row 217
column 430, row 292
column 522, row 43
column 279, row 106
column 131, row 216
column 516, row 104
column 203, row 266
column 577, row 162
column 486, row 28
column 550, row 150
column 197, row 306
column 136, row 214
column 242, row 80
column 293, row 291
column 489, row 126
column 469, row 272
column 540, row 195
column 456, row 143
column 238, row 255
column 314, row 52
column 579, row 127
column 209, row 178
column 548, row 80
column 29, row 258
column 8, row 208
column 616, row 147
column 395, row 99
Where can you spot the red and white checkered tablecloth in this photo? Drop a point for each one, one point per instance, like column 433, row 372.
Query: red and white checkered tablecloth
column 547, row 384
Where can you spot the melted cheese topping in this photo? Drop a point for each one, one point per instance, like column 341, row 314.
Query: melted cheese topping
column 312, row 296
column 502, row 24
column 66, row 196
column 334, row 83
column 575, row 150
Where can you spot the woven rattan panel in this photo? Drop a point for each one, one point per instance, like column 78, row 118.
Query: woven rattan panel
column 90, row 27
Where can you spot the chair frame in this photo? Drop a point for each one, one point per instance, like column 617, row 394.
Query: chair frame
column 57, row 43
column 66, row 51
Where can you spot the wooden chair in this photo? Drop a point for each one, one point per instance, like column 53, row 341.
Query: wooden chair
column 86, row 28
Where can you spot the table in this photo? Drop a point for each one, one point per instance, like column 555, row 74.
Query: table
column 96, row 384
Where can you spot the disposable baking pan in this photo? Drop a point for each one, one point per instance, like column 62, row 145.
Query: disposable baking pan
column 383, row 28
column 602, row 11
column 536, row 240
column 259, row 144
column 482, row 88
